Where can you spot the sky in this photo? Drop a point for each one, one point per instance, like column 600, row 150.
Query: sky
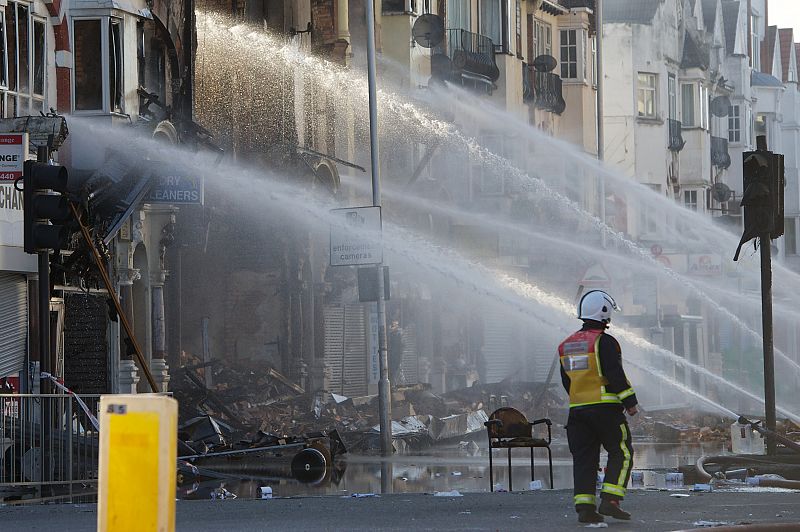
column 785, row 14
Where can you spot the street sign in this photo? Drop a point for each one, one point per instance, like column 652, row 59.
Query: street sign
column 596, row 276
column 705, row 265
column 356, row 236
column 13, row 148
column 177, row 188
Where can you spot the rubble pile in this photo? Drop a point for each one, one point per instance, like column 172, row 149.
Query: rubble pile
column 251, row 398
column 684, row 425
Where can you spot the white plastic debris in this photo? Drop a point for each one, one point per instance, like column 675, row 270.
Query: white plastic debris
column 266, row 492
column 680, row 495
column 597, row 525
column 456, row 473
column 710, row 523
column 363, row 495
column 499, row 487
column 535, row 485
column 702, row 487
column 453, row 493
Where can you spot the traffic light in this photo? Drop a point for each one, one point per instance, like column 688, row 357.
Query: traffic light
column 763, row 197
column 46, row 214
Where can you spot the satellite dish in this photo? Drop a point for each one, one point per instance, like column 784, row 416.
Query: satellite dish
column 544, row 63
column 721, row 192
column 428, row 30
column 720, row 106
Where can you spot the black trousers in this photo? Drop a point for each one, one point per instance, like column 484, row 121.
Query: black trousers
column 587, row 429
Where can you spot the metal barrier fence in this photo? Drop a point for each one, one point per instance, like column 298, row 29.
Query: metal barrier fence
column 49, row 446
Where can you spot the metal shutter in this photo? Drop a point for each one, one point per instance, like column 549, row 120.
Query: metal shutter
column 345, row 349
column 13, row 323
column 333, row 320
column 499, row 349
column 409, row 370
column 355, row 351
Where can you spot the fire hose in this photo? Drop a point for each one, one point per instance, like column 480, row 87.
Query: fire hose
column 789, row 462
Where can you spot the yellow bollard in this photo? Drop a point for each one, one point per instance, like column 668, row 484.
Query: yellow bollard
column 138, row 457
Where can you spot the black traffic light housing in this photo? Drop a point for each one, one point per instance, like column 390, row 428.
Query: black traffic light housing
column 763, row 182
column 46, row 214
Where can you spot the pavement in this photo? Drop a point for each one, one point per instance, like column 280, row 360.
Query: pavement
column 548, row 510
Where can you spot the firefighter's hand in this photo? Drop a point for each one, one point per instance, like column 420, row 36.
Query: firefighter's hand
column 632, row 411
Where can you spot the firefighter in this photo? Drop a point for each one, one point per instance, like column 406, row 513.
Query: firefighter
column 599, row 394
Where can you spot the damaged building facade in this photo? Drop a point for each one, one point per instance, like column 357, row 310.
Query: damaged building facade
column 103, row 65
column 274, row 298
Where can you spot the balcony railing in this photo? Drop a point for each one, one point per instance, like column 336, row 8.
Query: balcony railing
column 544, row 89
column 719, row 152
column 471, row 56
column 676, row 142
column 527, row 83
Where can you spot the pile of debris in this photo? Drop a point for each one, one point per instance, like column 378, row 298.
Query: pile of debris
column 681, row 424
column 251, row 398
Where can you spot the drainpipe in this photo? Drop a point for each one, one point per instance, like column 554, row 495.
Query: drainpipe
column 342, row 45
column 601, row 151
column 343, row 20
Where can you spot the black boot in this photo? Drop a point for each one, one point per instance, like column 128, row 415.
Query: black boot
column 610, row 507
column 588, row 514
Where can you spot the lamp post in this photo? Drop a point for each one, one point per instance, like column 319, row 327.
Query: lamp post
column 384, row 387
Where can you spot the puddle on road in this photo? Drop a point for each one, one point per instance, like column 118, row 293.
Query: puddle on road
column 445, row 469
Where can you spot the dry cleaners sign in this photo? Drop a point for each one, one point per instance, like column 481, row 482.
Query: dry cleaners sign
column 356, row 236
column 175, row 188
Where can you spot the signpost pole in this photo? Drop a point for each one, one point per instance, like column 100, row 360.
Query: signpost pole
column 384, row 387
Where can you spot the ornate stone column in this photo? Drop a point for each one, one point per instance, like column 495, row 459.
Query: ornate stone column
column 128, row 373
column 158, row 365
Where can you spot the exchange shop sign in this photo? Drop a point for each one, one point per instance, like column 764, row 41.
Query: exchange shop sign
column 356, row 236
column 176, row 188
column 13, row 148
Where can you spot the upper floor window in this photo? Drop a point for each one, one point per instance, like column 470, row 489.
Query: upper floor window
column 694, row 105
column 99, row 75
column 646, row 93
column 672, row 89
column 23, row 69
column 755, row 45
column 541, row 39
column 734, row 123
column 458, row 14
column 494, row 23
column 690, row 199
column 569, row 54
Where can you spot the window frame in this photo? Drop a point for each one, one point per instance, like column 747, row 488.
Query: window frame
column 504, row 13
column 641, row 95
column 571, row 65
column 462, row 19
column 34, row 101
column 542, row 38
column 672, row 96
column 691, row 199
column 699, row 105
column 735, row 124
column 105, row 28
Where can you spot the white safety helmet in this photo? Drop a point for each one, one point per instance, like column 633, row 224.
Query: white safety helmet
column 597, row 305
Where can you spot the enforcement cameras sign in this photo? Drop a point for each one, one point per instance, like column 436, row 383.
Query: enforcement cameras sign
column 356, row 236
